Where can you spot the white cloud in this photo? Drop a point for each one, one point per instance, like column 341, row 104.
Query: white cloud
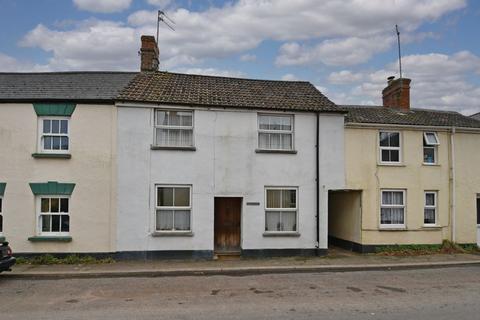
column 102, row 6
column 439, row 81
column 290, row 77
column 336, row 52
column 161, row 4
column 211, row 72
column 344, row 77
column 10, row 64
column 248, row 57
column 236, row 28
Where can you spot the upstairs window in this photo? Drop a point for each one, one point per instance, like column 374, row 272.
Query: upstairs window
column 173, row 128
column 430, row 145
column 275, row 132
column 392, row 210
column 389, row 147
column 280, row 210
column 54, row 135
column 430, row 209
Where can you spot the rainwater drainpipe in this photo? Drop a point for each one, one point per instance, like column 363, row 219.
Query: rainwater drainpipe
column 452, row 147
column 317, row 180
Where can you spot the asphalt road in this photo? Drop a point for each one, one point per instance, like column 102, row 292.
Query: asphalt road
column 451, row 293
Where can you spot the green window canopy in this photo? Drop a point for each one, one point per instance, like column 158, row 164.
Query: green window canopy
column 2, row 188
column 54, row 109
column 52, row 188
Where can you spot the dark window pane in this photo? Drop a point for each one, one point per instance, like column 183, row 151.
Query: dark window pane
column 384, row 139
column 64, row 205
column 47, row 143
column 429, row 155
column 386, row 216
column 56, row 143
column 165, row 197
column 54, row 205
column 182, row 197
column 46, row 126
column 394, row 156
column 385, row 155
column 64, row 126
column 478, row 210
column 55, row 126
column 429, row 216
column 46, row 223
column 65, row 223
column 64, row 143
column 394, row 139
column 45, row 205
column 0, row 204
column 1, row 223
column 55, row 223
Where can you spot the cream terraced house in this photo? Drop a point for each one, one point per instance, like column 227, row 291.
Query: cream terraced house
column 412, row 176
column 57, row 161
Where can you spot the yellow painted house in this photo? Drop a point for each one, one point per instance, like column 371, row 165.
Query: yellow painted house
column 412, row 176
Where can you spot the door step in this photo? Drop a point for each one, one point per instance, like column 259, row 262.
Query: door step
column 227, row 255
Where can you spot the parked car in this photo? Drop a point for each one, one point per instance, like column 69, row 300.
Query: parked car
column 6, row 258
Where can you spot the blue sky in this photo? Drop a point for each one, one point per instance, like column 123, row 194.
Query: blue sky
column 346, row 48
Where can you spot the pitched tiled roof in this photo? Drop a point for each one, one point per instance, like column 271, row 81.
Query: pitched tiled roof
column 71, row 86
column 187, row 89
column 420, row 117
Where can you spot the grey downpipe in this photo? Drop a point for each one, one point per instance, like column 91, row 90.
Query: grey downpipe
column 317, row 181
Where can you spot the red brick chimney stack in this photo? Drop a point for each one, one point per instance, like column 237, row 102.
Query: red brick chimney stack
column 397, row 93
column 149, row 54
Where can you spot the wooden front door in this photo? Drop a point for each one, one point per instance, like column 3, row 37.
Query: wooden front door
column 227, row 224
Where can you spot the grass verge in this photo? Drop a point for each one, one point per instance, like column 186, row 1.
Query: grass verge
column 447, row 247
column 49, row 259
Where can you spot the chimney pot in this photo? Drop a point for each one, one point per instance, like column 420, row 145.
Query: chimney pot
column 397, row 93
column 149, row 54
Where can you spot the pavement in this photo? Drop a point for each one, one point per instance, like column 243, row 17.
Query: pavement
column 427, row 294
column 337, row 260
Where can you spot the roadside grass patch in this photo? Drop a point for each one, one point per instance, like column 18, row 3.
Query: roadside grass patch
column 447, row 247
column 49, row 259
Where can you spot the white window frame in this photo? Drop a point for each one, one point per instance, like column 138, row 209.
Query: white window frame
column 434, row 207
column 173, row 208
column 399, row 148
column 1, row 215
column 40, row 145
column 430, row 145
column 404, row 206
column 159, row 126
column 282, row 210
column 39, row 215
column 291, row 131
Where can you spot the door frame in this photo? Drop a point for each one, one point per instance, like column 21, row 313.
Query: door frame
column 241, row 197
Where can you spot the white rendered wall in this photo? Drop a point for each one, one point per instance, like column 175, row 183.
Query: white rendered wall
column 224, row 164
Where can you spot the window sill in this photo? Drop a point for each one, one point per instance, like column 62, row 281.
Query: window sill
column 431, row 164
column 384, row 164
column 52, row 155
column 152, row 147
column 50, row 239
column 172, row 234
column 281, row 234
column 276, row 151
column 432, row 227
column 393, row 229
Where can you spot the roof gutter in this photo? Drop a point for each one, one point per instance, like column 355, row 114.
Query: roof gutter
column 410, row 127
